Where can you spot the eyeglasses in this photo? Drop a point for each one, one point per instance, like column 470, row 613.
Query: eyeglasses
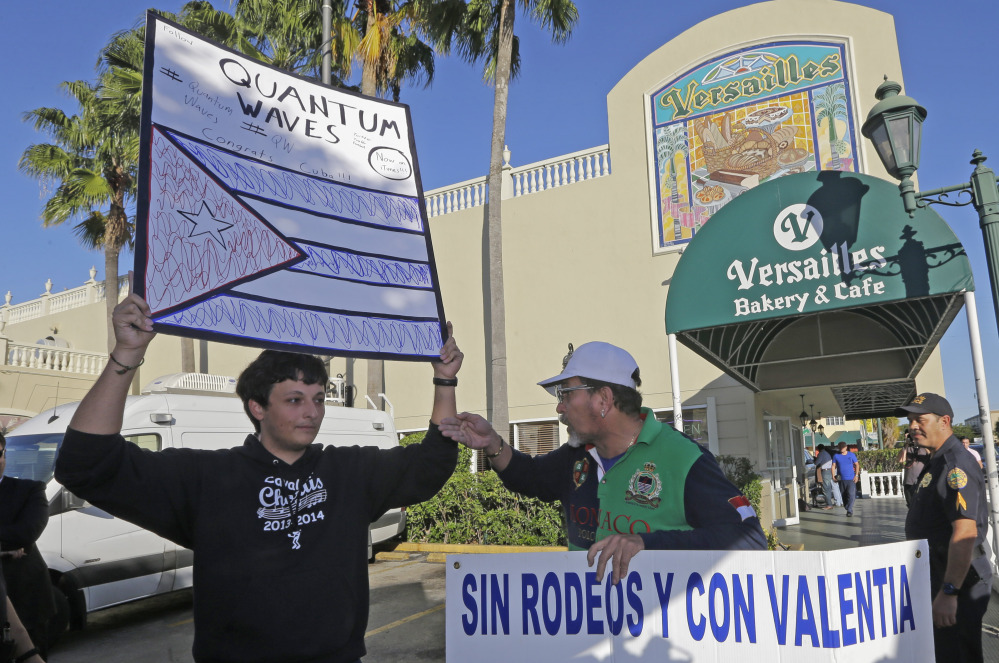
column 560, row 391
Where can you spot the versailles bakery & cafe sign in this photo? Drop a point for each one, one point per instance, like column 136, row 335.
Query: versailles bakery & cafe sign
column 810, row 243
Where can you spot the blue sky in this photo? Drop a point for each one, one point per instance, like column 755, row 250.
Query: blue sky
column 556, row 107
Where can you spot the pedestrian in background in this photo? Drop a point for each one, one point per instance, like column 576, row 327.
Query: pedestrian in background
column 823, row 474
column 967, row 445
column 913, row 458
column 847, row 468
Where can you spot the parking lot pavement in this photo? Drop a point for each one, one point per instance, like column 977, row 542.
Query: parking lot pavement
column 406, row 622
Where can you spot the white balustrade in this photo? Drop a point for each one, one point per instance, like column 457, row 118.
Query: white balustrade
column 69, row 299
column 47, row 357
column 882, row 484
column 561, row 171
column 27, row 311
column 60, row 301
column 454, row 198
column 532, row 178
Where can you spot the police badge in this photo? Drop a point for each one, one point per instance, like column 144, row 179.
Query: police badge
column 644, row 487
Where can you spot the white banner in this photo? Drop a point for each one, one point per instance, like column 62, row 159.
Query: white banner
column 860, row 604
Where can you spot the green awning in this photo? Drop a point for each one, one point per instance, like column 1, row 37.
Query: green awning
column 820, row 279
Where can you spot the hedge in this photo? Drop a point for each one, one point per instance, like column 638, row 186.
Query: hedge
column 879, row 460
column 477, row 508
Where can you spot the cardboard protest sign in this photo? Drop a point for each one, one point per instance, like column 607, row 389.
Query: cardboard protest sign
column 860, row 604
column 278, row 212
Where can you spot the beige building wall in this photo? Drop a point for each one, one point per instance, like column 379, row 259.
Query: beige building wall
column 579, row 260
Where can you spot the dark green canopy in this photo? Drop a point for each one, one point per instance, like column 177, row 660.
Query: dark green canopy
column 820, row 279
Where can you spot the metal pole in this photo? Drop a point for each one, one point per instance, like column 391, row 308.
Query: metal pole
column 992, row 479
column 327, row 42
column 985, row 195
column 674, row 378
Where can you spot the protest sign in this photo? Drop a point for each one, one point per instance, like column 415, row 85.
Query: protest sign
column 860, row 604
column 278, row 212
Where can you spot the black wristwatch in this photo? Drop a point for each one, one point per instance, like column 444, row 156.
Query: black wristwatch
column 949, row 589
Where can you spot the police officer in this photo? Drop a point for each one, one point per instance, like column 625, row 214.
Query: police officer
column 949, row 510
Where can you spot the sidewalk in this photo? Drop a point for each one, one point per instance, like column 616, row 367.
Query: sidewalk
column 874, row 521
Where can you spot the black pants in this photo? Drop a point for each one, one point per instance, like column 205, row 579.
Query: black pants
column 962, row 643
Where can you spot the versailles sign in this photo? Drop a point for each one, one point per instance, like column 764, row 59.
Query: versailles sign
column 748, row 117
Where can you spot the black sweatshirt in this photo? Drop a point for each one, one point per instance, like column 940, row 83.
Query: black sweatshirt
column 280, row 551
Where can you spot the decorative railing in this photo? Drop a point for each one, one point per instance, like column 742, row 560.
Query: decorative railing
column 454, row 198
column 561, row 171
column 55, row 359
column 522, row 181
column 882, row 484
column 90, row 292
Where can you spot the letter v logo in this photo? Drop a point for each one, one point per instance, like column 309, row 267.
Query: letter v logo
column 798, row 227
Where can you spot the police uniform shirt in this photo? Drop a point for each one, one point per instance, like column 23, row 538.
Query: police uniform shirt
column 951, row 486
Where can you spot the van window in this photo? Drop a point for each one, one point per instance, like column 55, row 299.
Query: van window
column 149, row 441
column 32, row 456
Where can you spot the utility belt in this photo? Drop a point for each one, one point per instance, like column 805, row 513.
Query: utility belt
column 938, row 562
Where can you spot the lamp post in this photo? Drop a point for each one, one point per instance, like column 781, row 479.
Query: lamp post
column 894, row 126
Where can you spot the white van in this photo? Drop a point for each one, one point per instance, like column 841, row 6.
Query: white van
column 97, row 560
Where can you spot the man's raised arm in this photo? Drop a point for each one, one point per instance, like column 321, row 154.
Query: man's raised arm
column 103, row 408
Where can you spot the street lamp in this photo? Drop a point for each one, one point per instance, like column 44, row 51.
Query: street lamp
column 803, row 417
column 821, row 430
column 812, row 424
column 894, row 126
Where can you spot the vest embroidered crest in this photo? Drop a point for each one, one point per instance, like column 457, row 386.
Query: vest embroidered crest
column 580, row 471
column 644, row 487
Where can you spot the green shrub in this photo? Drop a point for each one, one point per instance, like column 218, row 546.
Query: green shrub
column 476, row 508
column 879, row 460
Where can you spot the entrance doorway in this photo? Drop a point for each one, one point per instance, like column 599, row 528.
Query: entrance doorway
column 783, row 471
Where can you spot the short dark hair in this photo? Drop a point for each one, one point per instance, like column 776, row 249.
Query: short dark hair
column 274, row 366
column 821, row 447
column 627, row 400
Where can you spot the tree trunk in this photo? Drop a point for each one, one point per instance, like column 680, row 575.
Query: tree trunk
column 376, row 368
column 499, row 410
column 187, row 355
column 110, row 288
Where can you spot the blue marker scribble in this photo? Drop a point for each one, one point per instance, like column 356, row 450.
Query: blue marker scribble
column 330, row 332
column 345, row 265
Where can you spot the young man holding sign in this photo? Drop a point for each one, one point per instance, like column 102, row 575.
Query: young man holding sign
column 950, row 511
column 627, row 482
column 279, row 526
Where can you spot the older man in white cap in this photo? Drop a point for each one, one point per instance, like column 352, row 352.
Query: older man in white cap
column 627, row 482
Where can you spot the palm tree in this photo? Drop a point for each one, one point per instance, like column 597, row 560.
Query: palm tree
column 831, row 104
column 91, row 162
column 483, row 30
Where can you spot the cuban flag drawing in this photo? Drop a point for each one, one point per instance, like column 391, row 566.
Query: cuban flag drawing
column 277, row 212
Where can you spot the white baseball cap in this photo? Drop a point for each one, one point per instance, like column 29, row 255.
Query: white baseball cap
column 597, row 361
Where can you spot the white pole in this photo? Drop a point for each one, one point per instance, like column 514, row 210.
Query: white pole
column 674, row 378
column 988, row 441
